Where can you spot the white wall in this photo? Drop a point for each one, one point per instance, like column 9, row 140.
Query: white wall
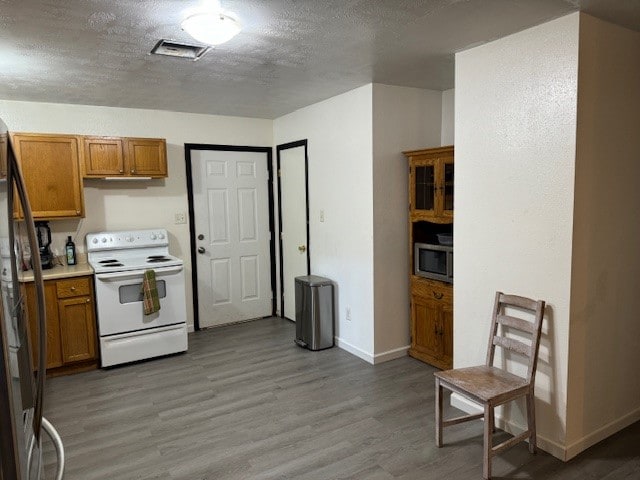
column 515, row 129
column 403, row 119
column 604, row 383
column 339, row 131
column 153, row 204
column 447, row 136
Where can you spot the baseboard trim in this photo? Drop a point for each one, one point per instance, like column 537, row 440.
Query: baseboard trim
column 549, row 446
column 366, row 356
column 373, row 359
column 601, row 433
column 190, row 328
column 391, row 354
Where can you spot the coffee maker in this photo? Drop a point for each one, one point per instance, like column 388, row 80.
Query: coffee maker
column 43, row 232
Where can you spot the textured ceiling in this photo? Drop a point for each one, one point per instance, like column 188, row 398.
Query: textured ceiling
column 290, row 53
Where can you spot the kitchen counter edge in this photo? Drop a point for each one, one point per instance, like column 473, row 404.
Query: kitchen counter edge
column 57, row 272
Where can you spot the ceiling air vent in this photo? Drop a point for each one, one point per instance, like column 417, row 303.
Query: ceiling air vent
column 181, row 50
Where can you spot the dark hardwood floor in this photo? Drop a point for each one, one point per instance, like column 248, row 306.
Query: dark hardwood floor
column 246, row 403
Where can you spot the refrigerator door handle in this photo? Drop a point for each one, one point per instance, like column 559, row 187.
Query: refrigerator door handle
column 39, row 288
column 57, row 443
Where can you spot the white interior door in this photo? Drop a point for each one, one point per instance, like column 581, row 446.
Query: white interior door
column 293, row 223
column 231, row 209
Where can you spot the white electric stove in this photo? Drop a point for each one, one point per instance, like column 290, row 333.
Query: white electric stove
column 120, row 260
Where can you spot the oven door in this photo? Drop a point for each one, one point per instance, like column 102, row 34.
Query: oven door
column 119, row 300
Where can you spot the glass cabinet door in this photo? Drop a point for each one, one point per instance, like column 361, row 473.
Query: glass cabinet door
column 448, row 187
column 431, row 185
column 425, row 188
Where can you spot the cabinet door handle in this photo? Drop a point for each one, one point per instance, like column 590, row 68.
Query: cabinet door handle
column 73, row 289
column 437, row 295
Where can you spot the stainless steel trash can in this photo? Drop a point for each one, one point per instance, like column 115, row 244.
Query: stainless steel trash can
column 314, row 312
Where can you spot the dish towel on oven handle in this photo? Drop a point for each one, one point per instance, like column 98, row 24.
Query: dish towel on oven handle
column 150, row 300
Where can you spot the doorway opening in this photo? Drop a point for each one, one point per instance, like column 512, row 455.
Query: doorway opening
column 293, row 220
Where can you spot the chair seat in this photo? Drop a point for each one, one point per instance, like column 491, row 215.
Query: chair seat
column 483, row 382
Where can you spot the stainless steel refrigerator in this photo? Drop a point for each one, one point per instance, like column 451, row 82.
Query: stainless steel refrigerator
column 21, row 390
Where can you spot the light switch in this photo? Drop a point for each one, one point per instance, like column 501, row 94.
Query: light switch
column 322, row 215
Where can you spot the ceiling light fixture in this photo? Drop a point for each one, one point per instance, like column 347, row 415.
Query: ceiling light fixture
column 211, row 28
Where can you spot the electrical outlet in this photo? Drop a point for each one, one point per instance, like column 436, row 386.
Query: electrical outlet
column 180, row 217
column 322, row 215
column 348, row 314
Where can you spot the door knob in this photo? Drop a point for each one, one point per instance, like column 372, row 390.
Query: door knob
column 200, row 249
column 201, row 237
column 302, row 248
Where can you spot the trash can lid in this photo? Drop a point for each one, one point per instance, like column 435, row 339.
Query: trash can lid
column 314, row 280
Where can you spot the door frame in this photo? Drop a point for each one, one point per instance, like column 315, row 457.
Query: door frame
column 188, row 148
column 279, row 148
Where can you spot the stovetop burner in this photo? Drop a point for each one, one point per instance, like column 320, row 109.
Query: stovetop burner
column 130, row 250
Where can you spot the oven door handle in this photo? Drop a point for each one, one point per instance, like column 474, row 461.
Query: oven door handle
column 136, row 273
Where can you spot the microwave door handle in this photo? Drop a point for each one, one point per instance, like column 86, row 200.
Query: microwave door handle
column 14, row 171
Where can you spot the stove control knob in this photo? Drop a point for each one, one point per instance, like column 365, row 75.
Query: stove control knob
column 95, row 240
column 104, row 239
column 129, row 239
column 153, row 236
column 161, row 236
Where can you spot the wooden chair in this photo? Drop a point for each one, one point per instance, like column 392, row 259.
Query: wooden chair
column 491, row 386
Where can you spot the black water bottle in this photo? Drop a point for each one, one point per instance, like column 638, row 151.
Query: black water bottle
column 70, row 249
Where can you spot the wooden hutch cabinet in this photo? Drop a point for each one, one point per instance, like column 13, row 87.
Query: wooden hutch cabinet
column 430, row 214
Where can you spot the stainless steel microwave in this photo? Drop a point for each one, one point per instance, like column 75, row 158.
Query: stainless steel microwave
column 433, row 261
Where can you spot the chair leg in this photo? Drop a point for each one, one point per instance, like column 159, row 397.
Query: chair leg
column 531, row 421
column 493, row 420
column 438, row 413
column 488, row 441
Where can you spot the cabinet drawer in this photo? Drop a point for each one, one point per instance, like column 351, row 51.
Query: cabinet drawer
column 73, row 287
column 432, row 289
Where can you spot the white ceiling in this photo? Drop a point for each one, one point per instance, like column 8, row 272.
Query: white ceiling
column 290, row 53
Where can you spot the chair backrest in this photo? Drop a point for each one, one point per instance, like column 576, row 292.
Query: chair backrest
column 533, row 328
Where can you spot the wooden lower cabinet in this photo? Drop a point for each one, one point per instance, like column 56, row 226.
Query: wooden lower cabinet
column 432, row 322
column 77, row 329
column 71, row 324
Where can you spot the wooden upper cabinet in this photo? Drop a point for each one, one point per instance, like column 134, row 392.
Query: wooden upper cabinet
column 3, row 155
column 126, row 157
column 431, row 184
column 103, row 156
column 50, row 165
column 147, row 157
